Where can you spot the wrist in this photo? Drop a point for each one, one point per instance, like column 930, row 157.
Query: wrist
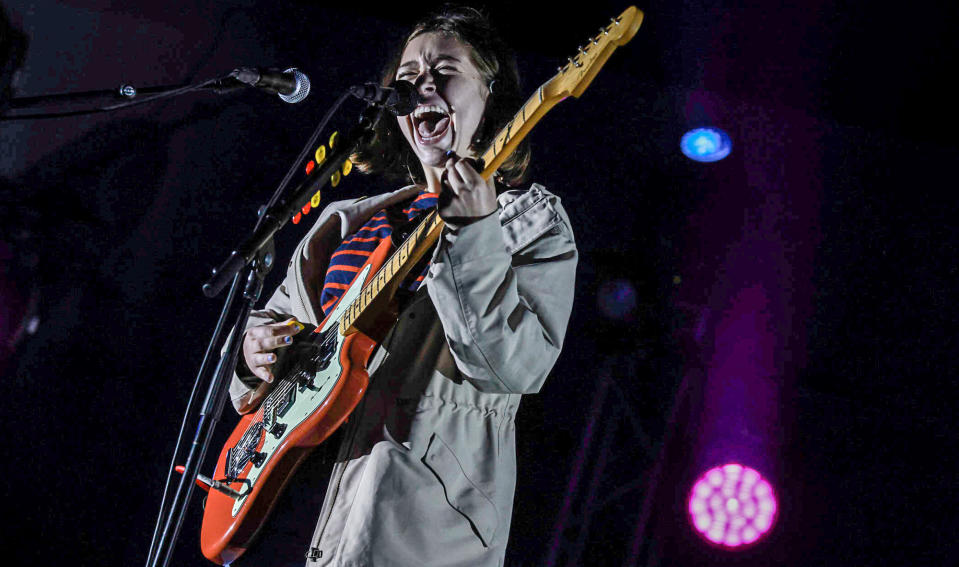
column 457, row 222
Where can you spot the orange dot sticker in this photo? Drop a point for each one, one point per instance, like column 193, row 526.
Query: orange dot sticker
column 296, row 218
column 310, row 166
column 306, row 209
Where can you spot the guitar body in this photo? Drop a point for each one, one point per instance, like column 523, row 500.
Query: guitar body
column 306, row 406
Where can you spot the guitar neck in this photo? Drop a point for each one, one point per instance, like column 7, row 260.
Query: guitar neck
column 509, row 137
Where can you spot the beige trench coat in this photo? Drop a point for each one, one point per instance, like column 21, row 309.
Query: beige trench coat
column 427, row 469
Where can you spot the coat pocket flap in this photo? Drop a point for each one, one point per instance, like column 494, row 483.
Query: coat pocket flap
column 464, row 496
column 529, row 223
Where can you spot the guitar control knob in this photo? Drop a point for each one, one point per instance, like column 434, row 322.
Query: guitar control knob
column 257, row 458
column 277, row 430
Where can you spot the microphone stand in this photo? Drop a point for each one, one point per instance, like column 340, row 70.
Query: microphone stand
column 127, row 95
column 249, row 262
column 123, row 92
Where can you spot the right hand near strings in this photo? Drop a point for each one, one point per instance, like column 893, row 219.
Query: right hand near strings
column 259, row 343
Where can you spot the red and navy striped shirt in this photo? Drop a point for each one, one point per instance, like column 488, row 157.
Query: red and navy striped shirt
column 356, row 248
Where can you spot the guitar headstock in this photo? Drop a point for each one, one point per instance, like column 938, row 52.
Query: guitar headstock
column 579, row 71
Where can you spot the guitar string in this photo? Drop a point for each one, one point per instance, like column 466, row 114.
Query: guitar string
column 431, row 221
column 277, row 394
column 286, row 385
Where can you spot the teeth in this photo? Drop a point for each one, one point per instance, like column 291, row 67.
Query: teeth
column 421, row 110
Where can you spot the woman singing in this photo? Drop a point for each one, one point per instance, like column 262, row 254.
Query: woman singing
column 426, row 471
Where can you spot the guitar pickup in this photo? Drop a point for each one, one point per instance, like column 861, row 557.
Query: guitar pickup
column 283, row 404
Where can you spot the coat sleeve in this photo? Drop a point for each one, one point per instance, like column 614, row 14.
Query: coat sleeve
column 505, row 314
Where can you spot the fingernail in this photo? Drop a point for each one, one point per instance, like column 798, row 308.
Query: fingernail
column 271, row 358
column 288, row 339
column 450, row 153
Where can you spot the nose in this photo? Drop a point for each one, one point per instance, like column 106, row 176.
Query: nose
column 424, row 82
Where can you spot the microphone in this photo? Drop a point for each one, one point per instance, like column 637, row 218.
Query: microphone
column 400, row 97
column 291, row 85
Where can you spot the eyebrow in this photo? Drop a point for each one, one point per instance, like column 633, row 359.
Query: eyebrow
column 434, row 60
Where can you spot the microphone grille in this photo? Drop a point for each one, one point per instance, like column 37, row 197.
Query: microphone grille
column 404, row 99
column 302, row 87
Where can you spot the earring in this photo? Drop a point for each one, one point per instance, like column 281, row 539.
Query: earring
column 491, row 83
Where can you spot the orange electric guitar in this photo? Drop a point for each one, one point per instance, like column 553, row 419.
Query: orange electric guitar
column 314, row 394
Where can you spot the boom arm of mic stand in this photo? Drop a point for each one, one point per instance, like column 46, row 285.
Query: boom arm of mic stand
column 279, row 214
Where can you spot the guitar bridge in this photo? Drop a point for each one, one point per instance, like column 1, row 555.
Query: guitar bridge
column 245, row 452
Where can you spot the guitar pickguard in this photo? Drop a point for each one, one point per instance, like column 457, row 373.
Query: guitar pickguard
column 308, row 397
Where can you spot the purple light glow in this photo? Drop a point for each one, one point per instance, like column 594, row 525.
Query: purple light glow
column 617, row 299
column 732, row 506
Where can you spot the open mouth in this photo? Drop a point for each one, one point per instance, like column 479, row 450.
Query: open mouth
column 430, row 122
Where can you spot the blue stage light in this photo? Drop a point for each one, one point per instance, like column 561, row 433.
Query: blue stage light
column 706, row 144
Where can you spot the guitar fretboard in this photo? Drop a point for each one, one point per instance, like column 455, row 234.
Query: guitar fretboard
column 395, row 269
column 535, row 107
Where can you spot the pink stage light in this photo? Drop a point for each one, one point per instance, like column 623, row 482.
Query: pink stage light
column 732, row 506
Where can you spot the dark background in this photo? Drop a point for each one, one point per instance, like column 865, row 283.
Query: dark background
column 844, row 156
